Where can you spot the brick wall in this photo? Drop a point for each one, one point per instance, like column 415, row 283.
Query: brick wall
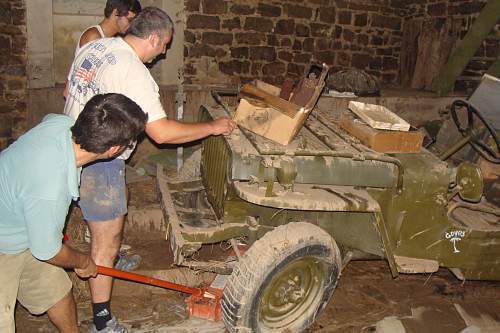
column 274, row 39
column 13, row 82
column 466, row 11
column 239, row 40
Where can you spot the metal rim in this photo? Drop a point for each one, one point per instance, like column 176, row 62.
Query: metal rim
column 291, row 293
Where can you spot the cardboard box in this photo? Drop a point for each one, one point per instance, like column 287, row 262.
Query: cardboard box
column 383, row 141
column 269, row 122
column 262, row 111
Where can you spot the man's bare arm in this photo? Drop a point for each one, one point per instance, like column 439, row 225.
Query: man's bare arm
column 71, row 258
column 66, row 89
column 89, row 35
column 171, row 131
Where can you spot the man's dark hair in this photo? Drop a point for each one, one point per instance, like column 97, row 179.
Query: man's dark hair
column 122, row 7
column 108, row 120
column 151, row 20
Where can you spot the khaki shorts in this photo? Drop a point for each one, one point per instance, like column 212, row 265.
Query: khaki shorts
column 37, row 285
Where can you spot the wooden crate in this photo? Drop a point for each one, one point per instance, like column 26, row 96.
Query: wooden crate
column 383, row 141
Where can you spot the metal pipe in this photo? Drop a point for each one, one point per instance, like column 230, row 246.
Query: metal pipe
column 218, row 100
column 148, row 280
column 180, row 97
column 456, row 147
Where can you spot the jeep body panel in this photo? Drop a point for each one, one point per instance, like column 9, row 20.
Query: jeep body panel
column 393, row 206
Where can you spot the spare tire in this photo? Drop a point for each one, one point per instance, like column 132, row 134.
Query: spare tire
column 283, row 281
column 354, row 80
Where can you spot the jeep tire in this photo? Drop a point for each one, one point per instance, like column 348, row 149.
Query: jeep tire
column 283, row 281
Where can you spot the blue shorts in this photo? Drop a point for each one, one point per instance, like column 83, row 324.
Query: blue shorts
column 102, row 190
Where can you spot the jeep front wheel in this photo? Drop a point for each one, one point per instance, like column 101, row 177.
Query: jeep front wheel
column 283, row 281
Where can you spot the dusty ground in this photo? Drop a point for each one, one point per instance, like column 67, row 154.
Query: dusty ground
column 365, row 295
column 426, row 303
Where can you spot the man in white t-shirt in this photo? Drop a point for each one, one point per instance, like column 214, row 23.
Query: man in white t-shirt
column 116, row 65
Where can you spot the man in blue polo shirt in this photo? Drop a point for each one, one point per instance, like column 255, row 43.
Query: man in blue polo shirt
column 39, row 176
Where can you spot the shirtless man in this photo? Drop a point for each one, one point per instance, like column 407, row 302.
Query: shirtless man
column 117, row 17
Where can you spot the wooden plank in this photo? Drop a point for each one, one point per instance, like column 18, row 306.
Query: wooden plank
column 287, row 88
column 494, row 69
column 412, row 28
column 435, row 44
column 285, row 107
column 487, row 19
column 383, row 141
column 269, row 88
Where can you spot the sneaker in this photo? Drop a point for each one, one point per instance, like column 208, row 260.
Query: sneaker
column 112, row 326
column 127, row 262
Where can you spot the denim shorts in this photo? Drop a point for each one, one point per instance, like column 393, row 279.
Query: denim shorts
column 102, row 190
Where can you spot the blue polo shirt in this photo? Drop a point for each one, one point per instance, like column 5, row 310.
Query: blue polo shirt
column 38, row 180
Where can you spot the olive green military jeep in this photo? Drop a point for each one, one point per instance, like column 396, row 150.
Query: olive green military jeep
column 306, row 209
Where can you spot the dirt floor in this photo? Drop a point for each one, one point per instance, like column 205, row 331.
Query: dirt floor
column 367, row 299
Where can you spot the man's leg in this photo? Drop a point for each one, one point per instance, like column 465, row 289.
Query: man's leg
column 11, row 266
column 63, row 314
column 103, row 204
column 47, row 288
column 105, row 243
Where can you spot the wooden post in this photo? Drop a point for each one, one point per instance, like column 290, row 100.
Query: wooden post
column 494, row 69
column 487, row 19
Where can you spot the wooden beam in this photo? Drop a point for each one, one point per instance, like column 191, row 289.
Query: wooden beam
column 283, row 106
column 494, row 69
column 484, row 23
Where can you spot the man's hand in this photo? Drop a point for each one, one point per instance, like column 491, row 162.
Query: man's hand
column 68, row 257
column 89, row 269
column 222, row 126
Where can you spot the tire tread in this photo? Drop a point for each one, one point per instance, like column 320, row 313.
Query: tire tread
column 260, row 259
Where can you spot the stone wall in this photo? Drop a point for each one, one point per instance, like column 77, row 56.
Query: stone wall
column 13, row 89
column 233, row 41
column 464, row 12
column 236, row 41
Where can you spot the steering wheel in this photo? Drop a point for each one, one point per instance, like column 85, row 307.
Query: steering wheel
column 476, row 137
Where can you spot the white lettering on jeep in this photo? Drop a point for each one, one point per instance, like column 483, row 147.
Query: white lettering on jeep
column 455, row 236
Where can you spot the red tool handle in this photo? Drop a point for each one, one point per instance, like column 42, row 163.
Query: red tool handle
column 147, row 280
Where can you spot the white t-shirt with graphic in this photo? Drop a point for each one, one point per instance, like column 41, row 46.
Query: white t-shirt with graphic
column 110, row 65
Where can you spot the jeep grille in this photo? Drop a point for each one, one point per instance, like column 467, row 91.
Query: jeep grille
column 214, row 167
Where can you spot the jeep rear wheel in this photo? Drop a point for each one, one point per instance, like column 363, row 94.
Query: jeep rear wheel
column 283, row 281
